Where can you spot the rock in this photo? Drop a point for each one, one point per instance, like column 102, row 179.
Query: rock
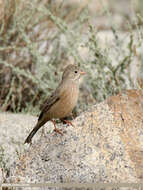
column 128, row 116
column 106, row 145
column 13, row 131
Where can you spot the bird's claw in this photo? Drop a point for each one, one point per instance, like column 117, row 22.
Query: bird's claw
column 58, row 131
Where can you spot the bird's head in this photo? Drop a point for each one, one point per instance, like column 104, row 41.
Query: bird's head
column 72, row 72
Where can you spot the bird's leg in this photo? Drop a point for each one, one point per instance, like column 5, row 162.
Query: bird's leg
column 56, row 130
column 68, row 122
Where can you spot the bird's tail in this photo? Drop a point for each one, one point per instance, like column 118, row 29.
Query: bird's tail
column 32, row 133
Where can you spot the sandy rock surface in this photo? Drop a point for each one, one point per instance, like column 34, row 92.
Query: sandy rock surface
column 14, row 129
column 106, row 145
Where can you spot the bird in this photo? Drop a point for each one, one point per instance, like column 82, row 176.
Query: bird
column 62, row 101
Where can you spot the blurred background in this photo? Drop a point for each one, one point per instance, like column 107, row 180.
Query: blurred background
column 39, row 38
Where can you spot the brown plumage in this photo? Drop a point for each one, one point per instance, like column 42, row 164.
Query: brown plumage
column 61, row 103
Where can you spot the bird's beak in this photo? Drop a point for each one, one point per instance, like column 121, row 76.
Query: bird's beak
column 82, row 72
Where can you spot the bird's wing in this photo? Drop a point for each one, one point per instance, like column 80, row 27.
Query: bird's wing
column 55, row 97
column 50, row 101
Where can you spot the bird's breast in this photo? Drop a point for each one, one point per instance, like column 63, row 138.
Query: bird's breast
column 66, row 103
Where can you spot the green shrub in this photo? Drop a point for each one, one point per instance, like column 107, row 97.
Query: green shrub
column 38, row 39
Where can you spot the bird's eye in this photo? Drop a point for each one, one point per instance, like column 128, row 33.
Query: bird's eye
column 75, row 72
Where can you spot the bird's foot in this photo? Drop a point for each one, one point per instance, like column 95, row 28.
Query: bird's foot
column 68, row 122
column 59, row 131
